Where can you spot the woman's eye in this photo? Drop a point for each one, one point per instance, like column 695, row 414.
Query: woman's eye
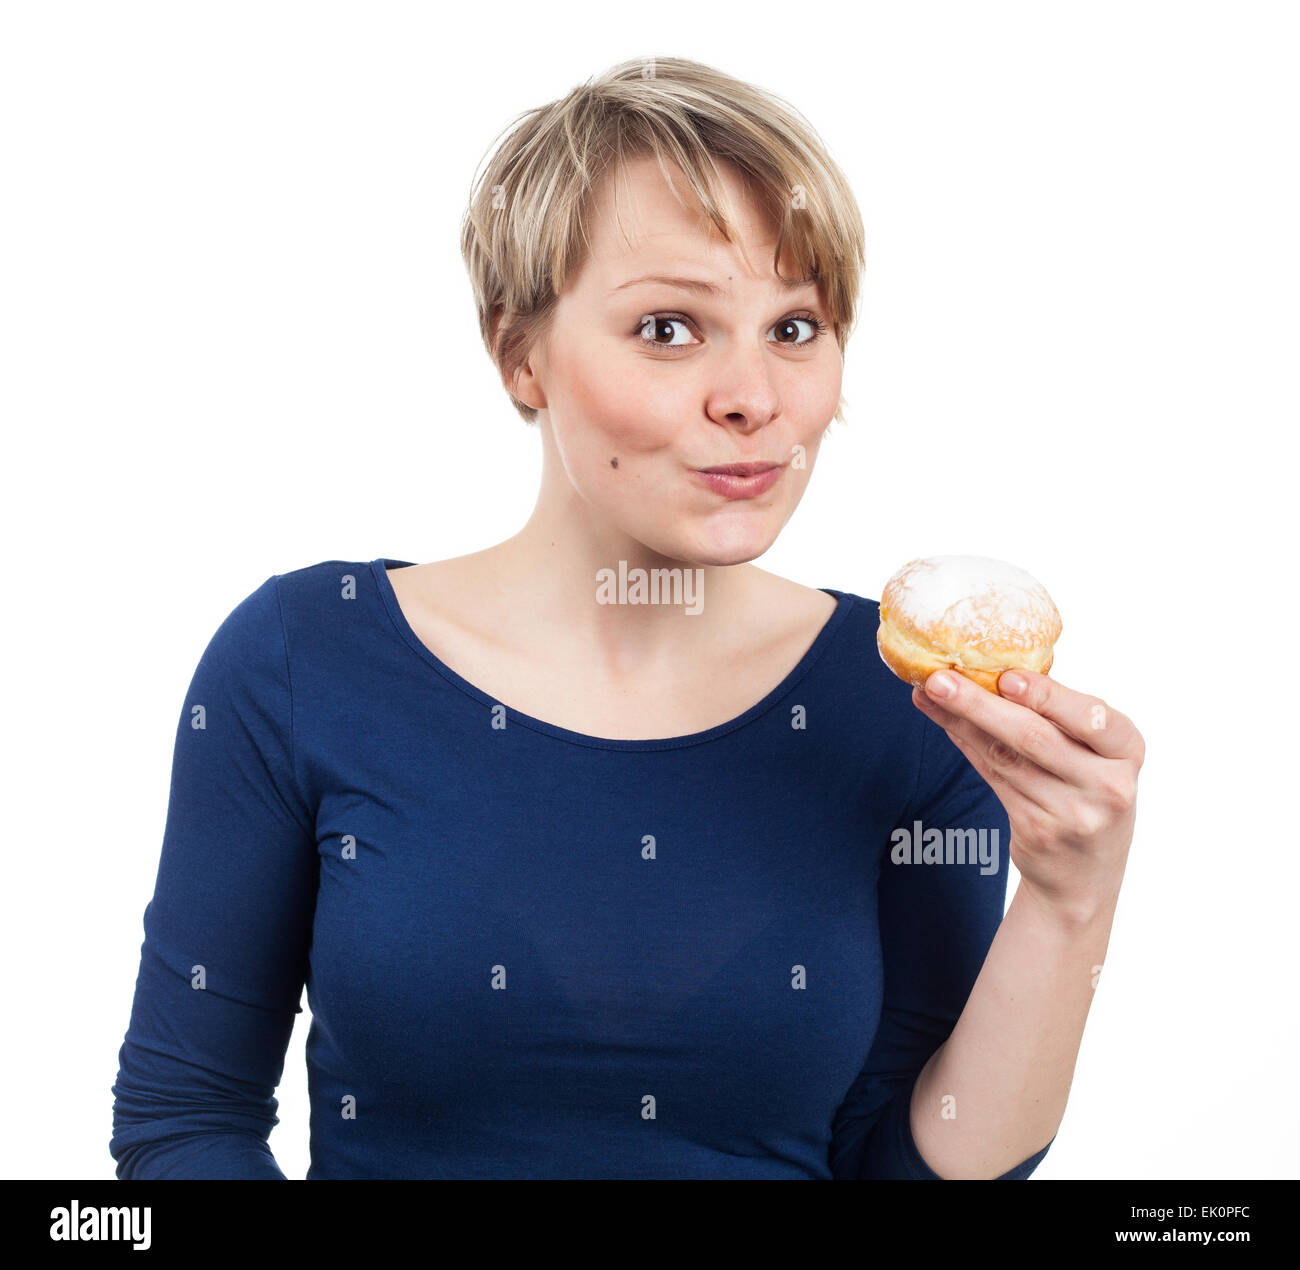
column 658, row 326
column 672, row 331
column 790, row 326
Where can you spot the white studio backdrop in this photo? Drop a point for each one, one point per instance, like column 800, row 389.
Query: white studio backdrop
column 239, row 339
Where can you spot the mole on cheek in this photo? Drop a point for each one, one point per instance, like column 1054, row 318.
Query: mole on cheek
column 613, row 462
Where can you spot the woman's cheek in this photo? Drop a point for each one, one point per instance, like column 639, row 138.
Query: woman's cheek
column 627, row 422
column 818, row 394
column 612, row 453
column 609, row 396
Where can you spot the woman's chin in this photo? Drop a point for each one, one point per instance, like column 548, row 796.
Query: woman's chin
column 733, row 547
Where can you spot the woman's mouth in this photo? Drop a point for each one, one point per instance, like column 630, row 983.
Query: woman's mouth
column 740, row 480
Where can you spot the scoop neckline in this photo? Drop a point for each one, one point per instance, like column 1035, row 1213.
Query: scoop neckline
column 844, row 602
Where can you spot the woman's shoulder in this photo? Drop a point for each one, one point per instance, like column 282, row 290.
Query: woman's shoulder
column 301, row 599
column 335, row 577
column 794, row 598
column 310, row 572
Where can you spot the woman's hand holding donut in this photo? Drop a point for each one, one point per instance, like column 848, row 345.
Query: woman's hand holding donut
column 1065, row 767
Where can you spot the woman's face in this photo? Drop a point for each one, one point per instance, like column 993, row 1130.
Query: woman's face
column 644, row 383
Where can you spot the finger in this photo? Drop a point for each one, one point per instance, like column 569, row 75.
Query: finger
column 1023, row 731
column 1088, row 720
column 1011, row 777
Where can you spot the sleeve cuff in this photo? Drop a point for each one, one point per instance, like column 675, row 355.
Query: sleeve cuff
column 891, row 1150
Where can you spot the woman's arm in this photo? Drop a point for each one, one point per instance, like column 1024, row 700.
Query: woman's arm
column 228, row 929
column 937, row 921
column 995, row 1091
column 1064, row 766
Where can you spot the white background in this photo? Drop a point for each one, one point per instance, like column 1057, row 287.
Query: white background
column 238, row 339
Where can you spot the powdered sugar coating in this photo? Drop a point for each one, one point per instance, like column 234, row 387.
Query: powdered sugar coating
column 955, row 601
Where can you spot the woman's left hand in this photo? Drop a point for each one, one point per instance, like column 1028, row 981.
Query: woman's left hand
column 1064, row 765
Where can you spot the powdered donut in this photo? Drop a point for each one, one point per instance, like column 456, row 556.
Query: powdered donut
column 970, row 614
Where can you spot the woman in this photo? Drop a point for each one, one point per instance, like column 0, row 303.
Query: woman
column 580, row 843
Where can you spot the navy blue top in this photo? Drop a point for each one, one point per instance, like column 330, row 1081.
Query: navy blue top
column 533, row 953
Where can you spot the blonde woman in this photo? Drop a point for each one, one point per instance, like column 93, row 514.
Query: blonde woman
column 580, row 843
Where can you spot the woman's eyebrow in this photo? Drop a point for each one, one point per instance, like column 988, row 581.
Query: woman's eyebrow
column 700, row 287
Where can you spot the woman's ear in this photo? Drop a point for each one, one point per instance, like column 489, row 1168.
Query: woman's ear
column 527, row 387
column 521, row 381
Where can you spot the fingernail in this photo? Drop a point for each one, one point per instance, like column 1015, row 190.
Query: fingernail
column 940, row 685
column 1012, row 683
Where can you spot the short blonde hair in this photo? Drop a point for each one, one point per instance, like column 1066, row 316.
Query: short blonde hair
column 524, row 233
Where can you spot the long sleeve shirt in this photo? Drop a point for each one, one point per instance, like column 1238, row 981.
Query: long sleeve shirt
column 533, row 953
